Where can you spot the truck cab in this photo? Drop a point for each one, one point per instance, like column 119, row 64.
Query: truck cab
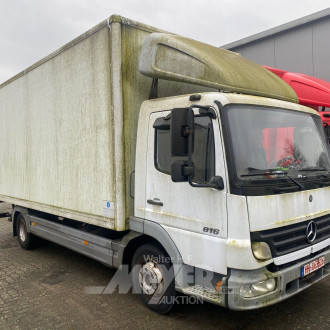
column 250, row 223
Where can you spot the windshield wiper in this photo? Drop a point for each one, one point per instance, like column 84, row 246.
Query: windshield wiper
column 296, row 182
column 313, row 169
column 271, row 171
column 275, row 172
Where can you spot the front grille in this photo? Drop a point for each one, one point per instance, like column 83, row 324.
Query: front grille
column 292, row 238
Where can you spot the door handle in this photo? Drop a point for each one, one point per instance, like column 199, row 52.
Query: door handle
column 155, row 201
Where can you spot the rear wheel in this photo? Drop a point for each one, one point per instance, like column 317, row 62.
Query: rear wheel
column 153, row 278
column 25, row 239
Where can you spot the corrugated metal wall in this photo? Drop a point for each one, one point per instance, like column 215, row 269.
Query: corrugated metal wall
column 305, row 48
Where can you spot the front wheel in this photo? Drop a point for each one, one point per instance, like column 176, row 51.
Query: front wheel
column 153, row 278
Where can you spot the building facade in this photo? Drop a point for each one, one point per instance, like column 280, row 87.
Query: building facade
column 301, row 46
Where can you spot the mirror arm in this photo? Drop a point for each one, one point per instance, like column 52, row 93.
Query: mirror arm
column 216, row 182
column 154, row 89
column 200, row 185
column 190, row 129
column 213, row 184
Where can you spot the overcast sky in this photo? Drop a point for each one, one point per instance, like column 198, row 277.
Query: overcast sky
column 31, row 29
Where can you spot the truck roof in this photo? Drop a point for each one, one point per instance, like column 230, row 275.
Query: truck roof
column 172, row 57
column 310, row 90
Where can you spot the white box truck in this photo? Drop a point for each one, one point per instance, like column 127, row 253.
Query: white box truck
column 189, row 163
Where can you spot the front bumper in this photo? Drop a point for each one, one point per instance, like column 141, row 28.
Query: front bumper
column 289, row 283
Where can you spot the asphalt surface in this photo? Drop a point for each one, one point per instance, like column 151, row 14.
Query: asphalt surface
column 45, row 289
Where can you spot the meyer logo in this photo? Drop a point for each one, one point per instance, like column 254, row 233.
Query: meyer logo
column 311, row 231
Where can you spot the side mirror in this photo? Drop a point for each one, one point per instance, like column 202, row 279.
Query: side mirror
column 217, row 183
column 181, row 172
column 182, row 129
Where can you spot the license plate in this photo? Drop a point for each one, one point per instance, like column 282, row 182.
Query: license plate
column 312, row 266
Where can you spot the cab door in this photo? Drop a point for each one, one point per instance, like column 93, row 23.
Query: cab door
column 194, row 217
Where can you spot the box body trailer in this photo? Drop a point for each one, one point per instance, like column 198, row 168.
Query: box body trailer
column 139, row 147
column 71, row 120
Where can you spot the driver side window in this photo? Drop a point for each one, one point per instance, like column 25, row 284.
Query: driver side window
column 203, row 156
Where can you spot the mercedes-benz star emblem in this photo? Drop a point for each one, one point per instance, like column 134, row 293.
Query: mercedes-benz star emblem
column 311, row 231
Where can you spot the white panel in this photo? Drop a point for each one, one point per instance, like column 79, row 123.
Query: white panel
column 55, row 131
column 267, row 212
column 238, row 248
column 199, row 250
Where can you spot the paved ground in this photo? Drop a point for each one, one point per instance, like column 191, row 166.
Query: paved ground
column 44, row 289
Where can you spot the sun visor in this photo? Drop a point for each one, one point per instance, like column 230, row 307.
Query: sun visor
column 172, row 57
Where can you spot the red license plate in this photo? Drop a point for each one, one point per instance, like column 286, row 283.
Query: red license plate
column 312, row 266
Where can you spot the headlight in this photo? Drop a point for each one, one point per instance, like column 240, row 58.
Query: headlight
column 261, row 251
column 258, row 289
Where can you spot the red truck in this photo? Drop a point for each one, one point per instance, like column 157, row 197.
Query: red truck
column 311, row 92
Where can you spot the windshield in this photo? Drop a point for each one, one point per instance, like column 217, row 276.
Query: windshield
column 273, row 140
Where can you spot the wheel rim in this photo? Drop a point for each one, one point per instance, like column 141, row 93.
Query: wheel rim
column 22, row 231
column 151, row 278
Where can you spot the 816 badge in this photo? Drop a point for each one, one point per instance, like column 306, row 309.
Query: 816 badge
column 213, row 231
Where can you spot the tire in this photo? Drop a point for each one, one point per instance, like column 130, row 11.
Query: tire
column 26, row 240
column 153, row 278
